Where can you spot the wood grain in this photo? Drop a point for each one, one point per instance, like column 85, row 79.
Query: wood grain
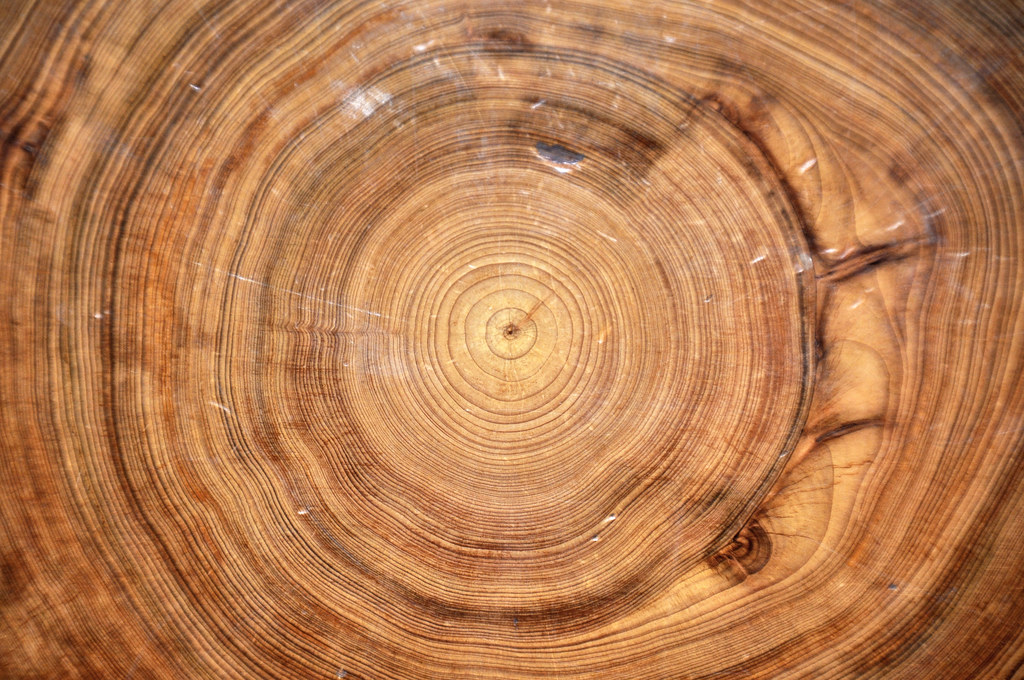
column 447, row 339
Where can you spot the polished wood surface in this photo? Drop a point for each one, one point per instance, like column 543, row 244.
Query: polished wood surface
column 527, row 339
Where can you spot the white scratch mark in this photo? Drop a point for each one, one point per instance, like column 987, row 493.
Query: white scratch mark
column 757, row 259
column 610, row 238
column 239, row 277
column 805, row 263
column 194, row 87
column 261, row 284
column 610, row 518
column 894, row 225
column 537, row 105
column 423, row 47
column 222, row 407
column 303, row 511
column 366, row 100
column 808, row 165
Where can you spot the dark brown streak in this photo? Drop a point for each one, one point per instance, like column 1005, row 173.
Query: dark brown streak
column 871, row 257
column 847, row 428
column 727, row 111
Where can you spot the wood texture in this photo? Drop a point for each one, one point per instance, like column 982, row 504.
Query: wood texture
column 453, row 339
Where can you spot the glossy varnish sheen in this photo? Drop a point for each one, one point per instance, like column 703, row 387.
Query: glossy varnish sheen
column 511, row 340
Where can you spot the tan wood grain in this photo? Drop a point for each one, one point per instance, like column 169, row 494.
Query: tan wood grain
column 448, row 339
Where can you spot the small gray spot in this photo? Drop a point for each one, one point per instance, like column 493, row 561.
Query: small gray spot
column 556, row 153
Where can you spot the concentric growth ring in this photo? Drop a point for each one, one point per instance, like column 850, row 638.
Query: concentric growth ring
column 527, row 341
column 476, row 340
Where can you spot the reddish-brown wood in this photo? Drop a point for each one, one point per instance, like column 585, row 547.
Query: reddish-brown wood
column 511, row 340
